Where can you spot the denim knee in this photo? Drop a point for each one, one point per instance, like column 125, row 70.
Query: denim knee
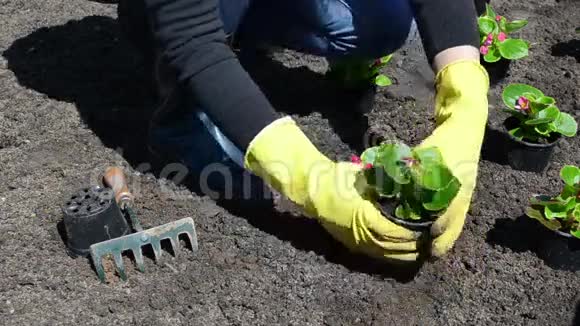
column 231, row 13
column 367, row 29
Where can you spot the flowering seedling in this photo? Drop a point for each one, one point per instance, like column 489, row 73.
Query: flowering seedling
column 354, row 73
column 495, row 43
column 417, row 180
column 537, row 114
column 560, row 213
column 375, row 71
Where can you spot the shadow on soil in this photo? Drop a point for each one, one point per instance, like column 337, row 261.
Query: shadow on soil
column 569, row 48
column 525, row 234
column 576, row 320
column 86, row 62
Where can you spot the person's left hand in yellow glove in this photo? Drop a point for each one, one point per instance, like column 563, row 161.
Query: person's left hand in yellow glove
column 328, row 191
column 461, row 110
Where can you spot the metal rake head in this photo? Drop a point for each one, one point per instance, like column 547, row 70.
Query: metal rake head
column 135, row 241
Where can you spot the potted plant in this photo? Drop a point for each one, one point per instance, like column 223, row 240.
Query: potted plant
column 534, row 127
column 412, row 187
column 561, row 215
column 496, row 43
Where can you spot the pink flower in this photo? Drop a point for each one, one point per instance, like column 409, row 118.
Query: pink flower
column 522, row 104
column 488, row 39
column 498, row 18
column 357, row 160
column 501, row 36
column 483, row 50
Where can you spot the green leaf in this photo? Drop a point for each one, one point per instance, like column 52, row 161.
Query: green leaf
column 537, row 215
column 530, row 96
column 546, row 100
column 370, row 155
column 442, row 198
column 382, row 81
column 386, row 59
column 512, row 92
column 569, row 191
column 575, row 233
column 434, row 176
column 534, row 122
column 566, row 125
column 570, row 175
column 489, row 11
column 576, row 213
column 502, row 24
column 384, row 185
column 493, row 55
column 400, row 212
column 544, row 129
column 559, row 210
column 515, row 25
column 536, row 107
column 541, row 103
column 486, row 25
column 406, row 212
column 513, row 49
column 517, row 132
column 551, row 213
column 390, row 156
column 551, row 112
column 428, row 155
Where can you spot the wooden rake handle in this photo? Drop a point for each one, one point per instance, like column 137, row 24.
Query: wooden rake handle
column 114, row 178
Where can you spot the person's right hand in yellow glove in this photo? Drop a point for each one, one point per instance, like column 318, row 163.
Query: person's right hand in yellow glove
column 328, row 191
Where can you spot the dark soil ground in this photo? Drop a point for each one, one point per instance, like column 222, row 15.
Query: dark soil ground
column 73, row 99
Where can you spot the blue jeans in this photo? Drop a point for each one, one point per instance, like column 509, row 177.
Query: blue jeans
column 365, row 29
column 335, row 29
column 330, row 28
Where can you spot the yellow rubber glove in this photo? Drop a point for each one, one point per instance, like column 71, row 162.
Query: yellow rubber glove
column 461, row 110
column 284, row 158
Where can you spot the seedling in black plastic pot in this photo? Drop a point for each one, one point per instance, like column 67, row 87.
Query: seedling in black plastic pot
column 532, row 130
column 537, row 114
column 415, row 181
column 495, row 42
column 560, row 213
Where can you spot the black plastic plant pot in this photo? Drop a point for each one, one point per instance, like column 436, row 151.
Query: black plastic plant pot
column 526, row 156
column 387, row 207
column 560, row 250
column 92, row 215
column 497, row 71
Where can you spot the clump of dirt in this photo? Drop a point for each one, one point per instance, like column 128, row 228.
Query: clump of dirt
column 77, row 100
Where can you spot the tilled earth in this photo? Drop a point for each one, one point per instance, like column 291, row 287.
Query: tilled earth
column 74, row 99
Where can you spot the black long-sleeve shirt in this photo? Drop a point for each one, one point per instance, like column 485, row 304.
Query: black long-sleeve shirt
column 194, row 43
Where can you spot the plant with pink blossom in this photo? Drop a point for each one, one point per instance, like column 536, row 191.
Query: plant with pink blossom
column 495, row 41
column 537, row 114
column 415, row 180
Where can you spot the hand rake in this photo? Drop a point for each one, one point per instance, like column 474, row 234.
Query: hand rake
column 115, row 179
